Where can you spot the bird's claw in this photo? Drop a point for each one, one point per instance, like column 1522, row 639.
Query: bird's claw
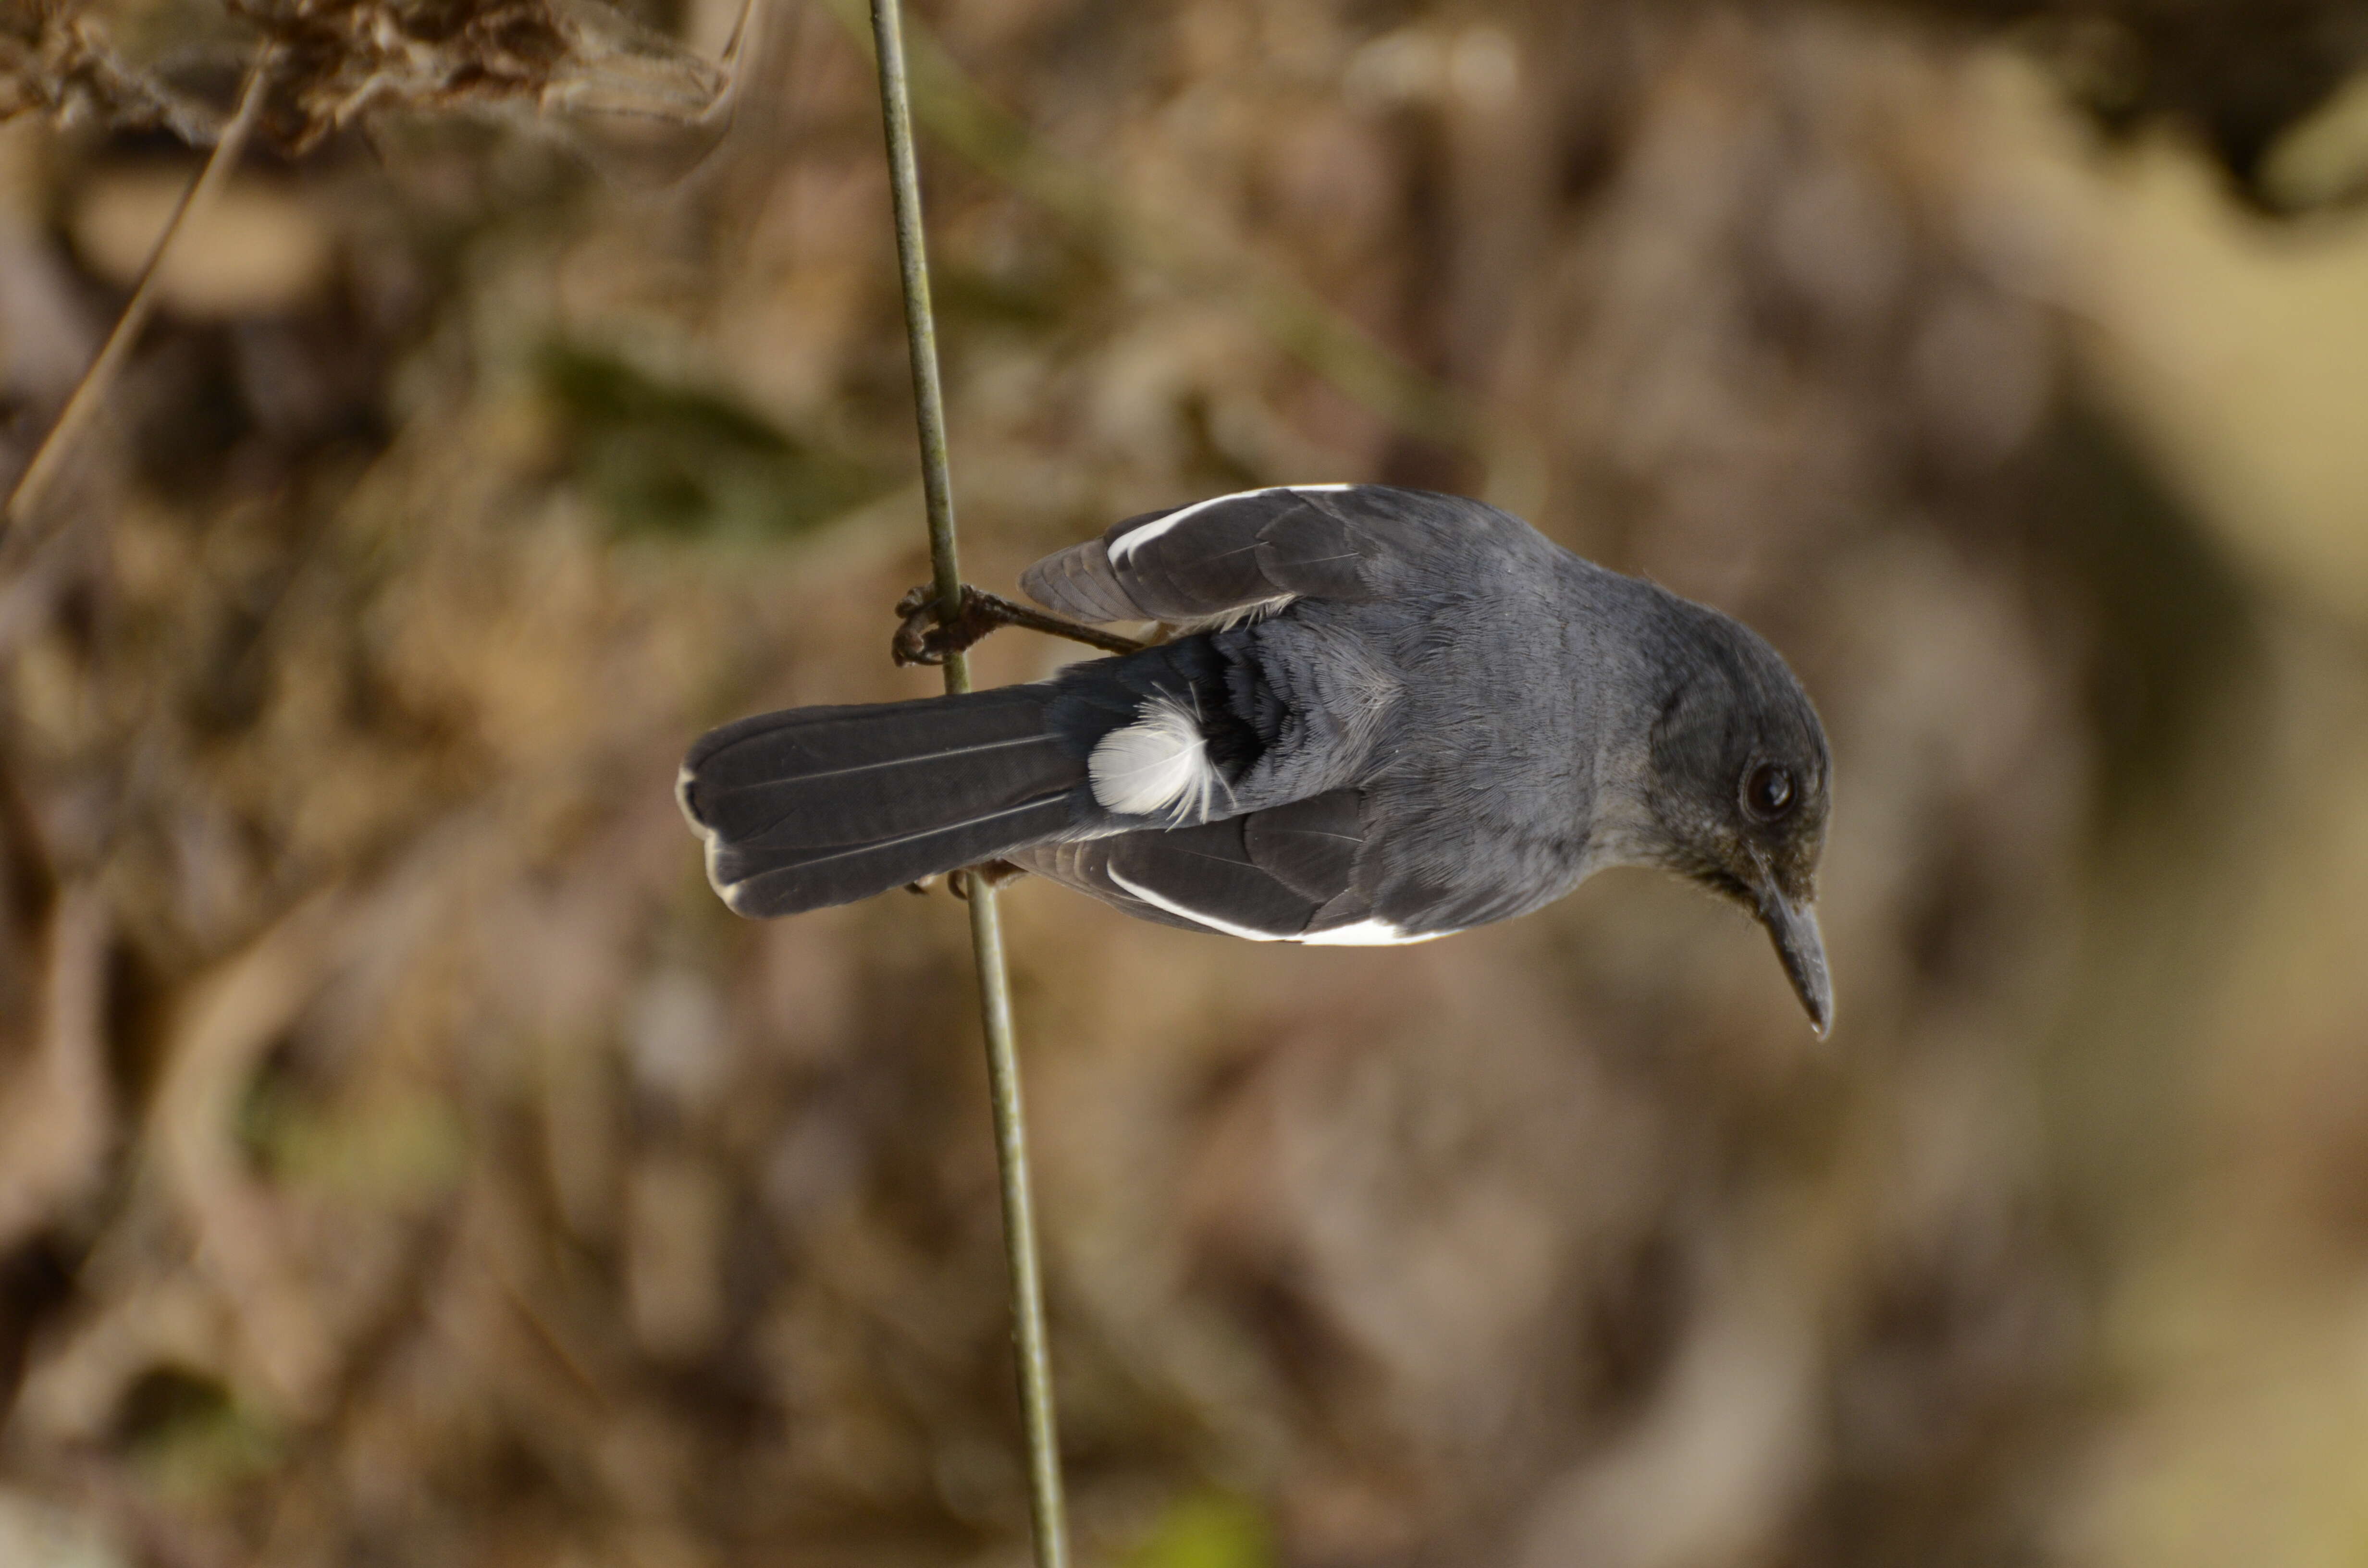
column 925, row 637
column 995, row 873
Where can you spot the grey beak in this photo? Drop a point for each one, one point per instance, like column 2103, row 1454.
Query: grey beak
column 1793, row 928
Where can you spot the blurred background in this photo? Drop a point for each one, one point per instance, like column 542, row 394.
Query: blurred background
column 405, row 1160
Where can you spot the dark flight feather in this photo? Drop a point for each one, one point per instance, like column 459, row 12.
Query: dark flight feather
column 1282, row 874
column 1223, row 557
column 1309, row 846
column 822, row 805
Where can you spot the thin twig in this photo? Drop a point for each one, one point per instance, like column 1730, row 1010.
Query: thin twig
column 91, row 391
column 985, row 923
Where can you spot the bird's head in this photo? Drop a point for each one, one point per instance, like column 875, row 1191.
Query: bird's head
column 1740, row 783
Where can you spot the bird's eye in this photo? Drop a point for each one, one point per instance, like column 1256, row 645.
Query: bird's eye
column 1768, row 792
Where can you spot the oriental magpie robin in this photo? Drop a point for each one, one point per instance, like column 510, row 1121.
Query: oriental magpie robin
column 1380, row 715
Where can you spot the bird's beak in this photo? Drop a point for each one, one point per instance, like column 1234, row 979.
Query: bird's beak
column 1793, row 926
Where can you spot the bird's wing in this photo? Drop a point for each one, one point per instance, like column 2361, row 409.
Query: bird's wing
column 1235, row 553
column 1286, row 874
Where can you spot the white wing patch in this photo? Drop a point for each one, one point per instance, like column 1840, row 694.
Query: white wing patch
column 1130, row 543
column 1212, row 922
column 1158, row 766
column 1363, row 934
column 1368, row 934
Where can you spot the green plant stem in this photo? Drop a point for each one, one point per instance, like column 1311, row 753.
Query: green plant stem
column 91, row 391
column 986, row 923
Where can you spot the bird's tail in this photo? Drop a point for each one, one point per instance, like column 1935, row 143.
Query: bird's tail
column 817, row 806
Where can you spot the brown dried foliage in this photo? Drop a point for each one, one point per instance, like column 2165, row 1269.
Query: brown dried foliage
column 424, row 1169
column 335, row 62
column 334, row 58
column 55, row 60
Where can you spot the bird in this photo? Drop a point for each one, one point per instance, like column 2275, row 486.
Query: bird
column 1378, row 715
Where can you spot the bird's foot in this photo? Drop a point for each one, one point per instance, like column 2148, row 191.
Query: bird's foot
column 925, row 637
column 995, row 873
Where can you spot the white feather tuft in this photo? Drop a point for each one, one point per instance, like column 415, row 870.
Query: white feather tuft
column 1158, row 766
